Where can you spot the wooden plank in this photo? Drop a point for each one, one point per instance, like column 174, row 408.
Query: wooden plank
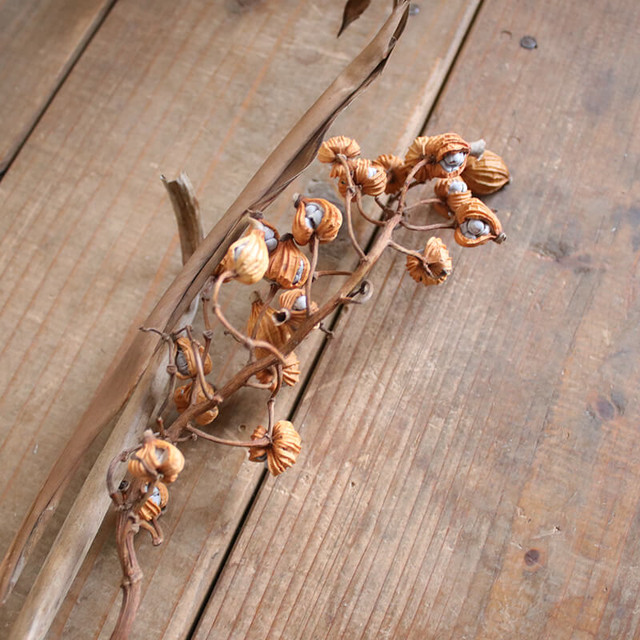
column 203, row 87
column 470, row 463
column 40, row 40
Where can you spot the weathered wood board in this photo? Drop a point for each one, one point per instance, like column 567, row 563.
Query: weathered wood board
column 40, row 40
column 89, row 242
column 471, row 454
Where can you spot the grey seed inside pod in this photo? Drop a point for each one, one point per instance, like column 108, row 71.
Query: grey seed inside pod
column 155, row 496
column 371, row 172
column 458, row 186
column 299, row 272
column 313, row 215
column 452, row 161
column 181, row 363
column 238, row 250
column 271, row 243
column 268, row 233
column 474, row 228
column 300, row 304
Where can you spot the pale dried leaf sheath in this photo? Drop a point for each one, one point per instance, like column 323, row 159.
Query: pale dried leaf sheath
column 291, row 156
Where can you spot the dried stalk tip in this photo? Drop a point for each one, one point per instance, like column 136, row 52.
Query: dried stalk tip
column 436, row 265
column 283, row 450
column 156, row 457
column 330, row 149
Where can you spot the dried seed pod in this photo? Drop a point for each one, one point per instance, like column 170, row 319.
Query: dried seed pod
column 486, row 174
column 316, row 216
column 295, row 300
column 155, row 503
column 338, row 145
column 446, row 156
column 258, row 454
column 438, row 263
column 272, row 328
column 248, row 257
column 271, row 235
column 422, row 148
column 370, row 176
column 477, row 224
column 290, row 369
column 396, row 170
column 159, row 456
column 285, row 447
column 451, row 153
column 288, row 266
column 183, row 397
column 186, row 362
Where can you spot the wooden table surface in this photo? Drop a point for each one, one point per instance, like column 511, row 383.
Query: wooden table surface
column 470, row 463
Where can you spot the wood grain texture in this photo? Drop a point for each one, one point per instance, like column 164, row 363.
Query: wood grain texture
column 40, row 40
column 88, row 240
column 470, row 456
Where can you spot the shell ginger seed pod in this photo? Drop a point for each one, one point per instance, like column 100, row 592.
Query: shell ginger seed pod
column 370, row 176
column 248, row 257
column 330, row 149
column 486, row 174
column 285, row 447
column 156, row 456
column 288, row 266
column 186, row 362
column 316, row 216
column 295, row 300
column 438, row 263
column 477, row 224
